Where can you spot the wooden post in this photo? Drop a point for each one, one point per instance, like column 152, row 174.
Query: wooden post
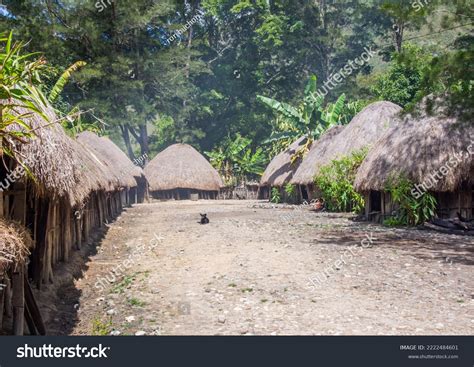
column 18, row 302
column 33, row 309
column 1, row 209
column 8, row 299
column 2, row 306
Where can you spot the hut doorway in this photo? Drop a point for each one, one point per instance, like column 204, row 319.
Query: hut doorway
column 375, row 201
column 304, row 194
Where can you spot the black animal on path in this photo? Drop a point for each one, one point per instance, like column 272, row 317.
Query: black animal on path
column 204, row 219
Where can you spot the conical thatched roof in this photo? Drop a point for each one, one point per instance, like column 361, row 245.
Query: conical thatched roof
column 52, row 157
column 305, row 173
column 365, row 129
column 15, row 245
column 181, row 166
column 280, row 170
column 418, row 148
column 97, row 175
column 117, row 164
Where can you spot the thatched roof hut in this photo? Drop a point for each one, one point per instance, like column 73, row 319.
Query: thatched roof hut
column 305, row 173
column 15, row 245
column 365, row 129
column 118, row 164
column 280, row 170
column 52, row 158
column 180, row 166
column 417, row 149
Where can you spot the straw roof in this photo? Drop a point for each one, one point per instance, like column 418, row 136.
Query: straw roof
column 305, row 173
column 365, row 129
column 280, row 170
column 52, row 157
column 181, row 166
column 15, row 245
column 112, row 159
column 417, row 149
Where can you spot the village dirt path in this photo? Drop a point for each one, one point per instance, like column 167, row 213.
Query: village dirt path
column 247, row 272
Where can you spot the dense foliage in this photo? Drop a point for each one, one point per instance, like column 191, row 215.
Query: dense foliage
column 20, row 95
column 151, row 73
column 336, row 183
column 411, row 211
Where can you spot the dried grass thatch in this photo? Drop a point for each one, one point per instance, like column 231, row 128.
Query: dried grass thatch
column 15, row 245
column 117, row 165
column 52, row 158
column 418, row 148
column 280, row 170
column 305, row 173
column 365, row 129
column 180, row 166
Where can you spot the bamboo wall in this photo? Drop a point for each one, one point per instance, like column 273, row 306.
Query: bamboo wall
column 57, row 230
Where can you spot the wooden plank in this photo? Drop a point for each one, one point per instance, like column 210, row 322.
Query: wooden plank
column 2, row 305
column 18, row 302
column 2, row 215
column 33, row 308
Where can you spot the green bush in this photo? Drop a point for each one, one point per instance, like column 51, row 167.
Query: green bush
column 412, row 211
column 290, row 191
column 275, row 196
column 336, row 183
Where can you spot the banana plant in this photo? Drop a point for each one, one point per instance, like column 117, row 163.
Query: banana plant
column 20, row 77
column 64, row 79
column 310, row 118
column 235, row 159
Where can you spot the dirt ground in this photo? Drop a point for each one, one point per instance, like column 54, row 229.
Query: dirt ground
column 253, row 270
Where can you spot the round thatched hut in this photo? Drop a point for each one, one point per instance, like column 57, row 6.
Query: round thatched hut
column 363, row 130
column 304, row 175
column 435, row 153
column 280, row 170
column 130, row 177
column 180, row 171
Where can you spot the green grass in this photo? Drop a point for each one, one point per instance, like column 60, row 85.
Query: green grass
column 247, row 290
column 100, row 328
column 232, row 285
column 135, row 302
column 123, row 284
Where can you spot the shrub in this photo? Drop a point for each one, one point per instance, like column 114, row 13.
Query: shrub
column 412, row 211
column 290, row 191
column 336, row 183
column 275, row 196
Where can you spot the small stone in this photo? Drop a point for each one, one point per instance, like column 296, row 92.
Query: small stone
column 140, row 333
column 221, row 319
column 115, row 333
column 111, row 312
column 439, row 325
column 76, row 306
column 130, row 319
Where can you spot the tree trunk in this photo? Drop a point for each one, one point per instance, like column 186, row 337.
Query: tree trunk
column 128, row 144
column 144, row 140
